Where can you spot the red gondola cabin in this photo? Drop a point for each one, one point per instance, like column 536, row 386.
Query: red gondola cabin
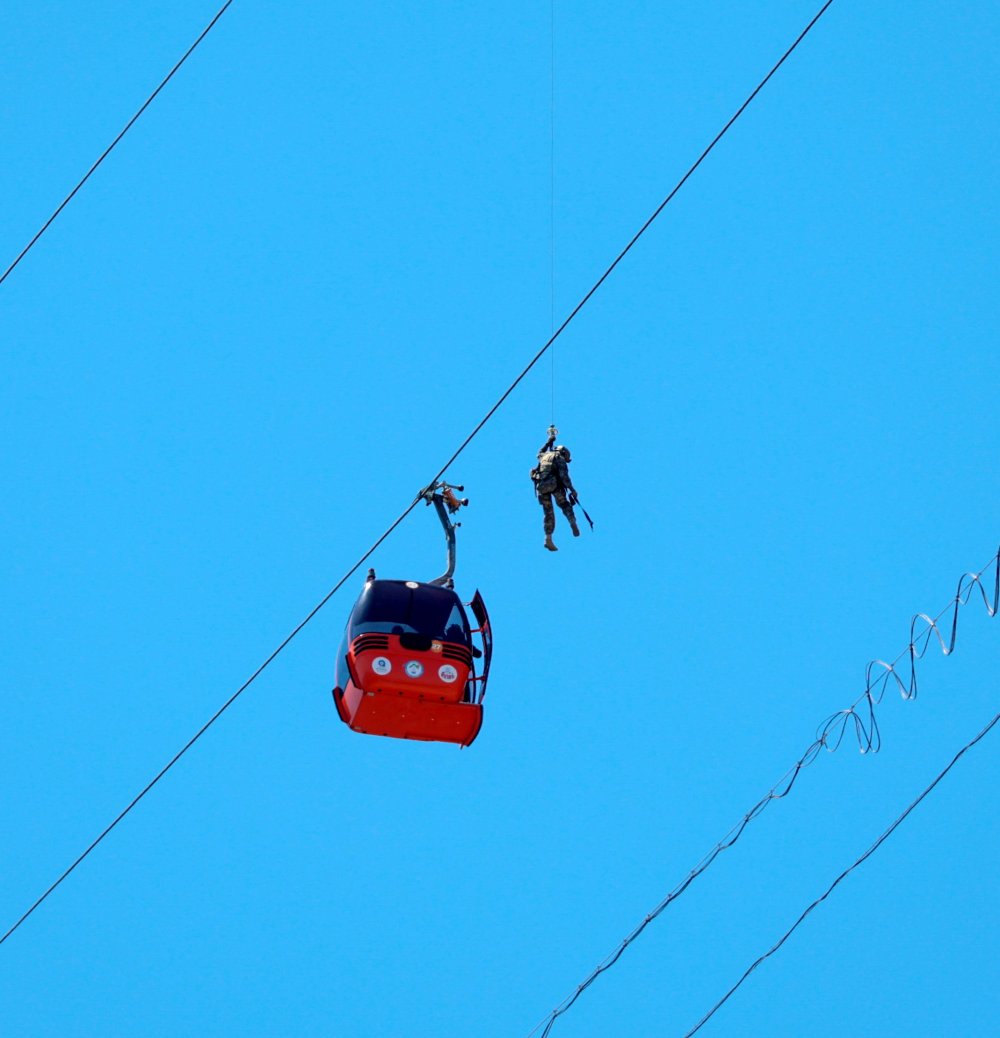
column 407, row 665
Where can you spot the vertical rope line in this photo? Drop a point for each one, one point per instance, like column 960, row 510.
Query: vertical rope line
column 635, row 238
column 552, row 199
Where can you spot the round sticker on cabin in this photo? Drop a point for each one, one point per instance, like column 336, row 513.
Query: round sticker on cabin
column 414, row 668
column 447, row 673
column 381, row 665
column 412, row 583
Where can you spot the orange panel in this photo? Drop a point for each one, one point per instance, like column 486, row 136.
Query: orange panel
column 403, row 717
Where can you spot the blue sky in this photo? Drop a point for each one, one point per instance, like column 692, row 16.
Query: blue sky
column 294, row 289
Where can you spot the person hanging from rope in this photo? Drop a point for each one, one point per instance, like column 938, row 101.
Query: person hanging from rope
column 551, row 479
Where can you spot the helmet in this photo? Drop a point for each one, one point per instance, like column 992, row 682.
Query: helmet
column 564, row 451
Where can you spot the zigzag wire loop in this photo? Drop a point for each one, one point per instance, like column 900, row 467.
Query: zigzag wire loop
column 876, row 742
column 830, row 733
column 872, row 735
column 947, row 645
column 976, row 583
column 829, row 736
column 865, row 733
column 875, row 697
column 967, row 585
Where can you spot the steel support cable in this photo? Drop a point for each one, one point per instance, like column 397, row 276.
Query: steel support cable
column 208, row 724
column 107, row 151
column 443, row 469
column 830, row 889
column 829, row 736
column 510, row 389
column 635, row 238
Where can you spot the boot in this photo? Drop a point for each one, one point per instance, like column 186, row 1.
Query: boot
column 549, row 543
column 573, row 526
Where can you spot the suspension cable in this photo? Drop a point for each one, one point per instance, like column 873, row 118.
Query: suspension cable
column 635, row 238
column 830, row 889
column 492, row 411
column 208, row 724
column 107, row 151
column 829, row 736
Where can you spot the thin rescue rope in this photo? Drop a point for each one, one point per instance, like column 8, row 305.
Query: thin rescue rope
column 208, row 724
column 860, row 714
column 552, row 200
column 107, row 151
column 830, row 889
column 642, row 230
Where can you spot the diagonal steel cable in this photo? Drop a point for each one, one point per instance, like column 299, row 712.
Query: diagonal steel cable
column 510, row 389
column 107, row 151
column 635, row 238
column 830, row 889
column 830, row 734
column 208, row 724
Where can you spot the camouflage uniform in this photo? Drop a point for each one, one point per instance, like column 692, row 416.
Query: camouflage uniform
column 551, row 478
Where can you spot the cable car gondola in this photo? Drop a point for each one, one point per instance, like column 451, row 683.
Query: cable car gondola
column 406, row 667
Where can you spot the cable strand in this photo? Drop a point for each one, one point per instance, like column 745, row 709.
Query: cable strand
column 208, row 724
column 510, row 389
column 635, row 238
column 552, row 202
column 107, row 151
column 829, row 737
column 830, row 889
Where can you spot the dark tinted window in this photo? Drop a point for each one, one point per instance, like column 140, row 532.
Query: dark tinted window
column 391, row 607
column 342, row 674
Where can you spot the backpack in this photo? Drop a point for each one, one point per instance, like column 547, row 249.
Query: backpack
column 544, row 474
